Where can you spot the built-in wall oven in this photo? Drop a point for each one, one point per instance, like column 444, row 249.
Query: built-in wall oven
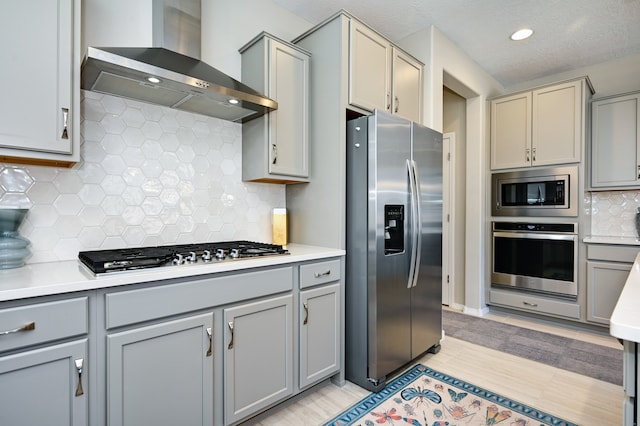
column 536, row 257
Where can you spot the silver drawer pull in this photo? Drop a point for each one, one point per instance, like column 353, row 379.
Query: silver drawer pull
column 322, row 274
column 210, row 335
column 231, row 341
column 534, row 305
column 27, row 327
column 79, row 364
column 306, row 312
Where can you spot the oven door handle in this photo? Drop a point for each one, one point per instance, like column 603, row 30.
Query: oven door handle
column 535, row 236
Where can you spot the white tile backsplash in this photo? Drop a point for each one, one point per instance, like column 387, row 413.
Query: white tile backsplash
column 149, row 175
column 613, row 213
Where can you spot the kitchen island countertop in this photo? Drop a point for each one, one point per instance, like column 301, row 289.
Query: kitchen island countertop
column 43, row 279
column 625, row 319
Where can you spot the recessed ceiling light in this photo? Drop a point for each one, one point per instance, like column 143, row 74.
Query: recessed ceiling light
column 521, row 34
column 154, row 80
column 233, row 101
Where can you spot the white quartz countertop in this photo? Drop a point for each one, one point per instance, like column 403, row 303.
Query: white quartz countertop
column 43, row 279
column 625, row 319
column 627, row 241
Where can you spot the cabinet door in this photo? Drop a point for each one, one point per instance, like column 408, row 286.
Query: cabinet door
column 605, row 282
column 289, row 124
column 319, row 322
column 44, row 387
column 407, row 86
column 369, row 69
column 38, row 67
column 557, row 124
column 511, row 131
column 258, row 361
column 615, row 142
column 161, row 374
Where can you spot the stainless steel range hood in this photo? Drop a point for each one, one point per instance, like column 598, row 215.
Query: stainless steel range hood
column 162, row 76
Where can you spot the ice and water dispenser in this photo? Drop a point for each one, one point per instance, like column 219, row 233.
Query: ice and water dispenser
column 393, row 228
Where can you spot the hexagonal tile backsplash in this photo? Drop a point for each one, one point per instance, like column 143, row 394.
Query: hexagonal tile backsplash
column 149, row 175
column 613, row 213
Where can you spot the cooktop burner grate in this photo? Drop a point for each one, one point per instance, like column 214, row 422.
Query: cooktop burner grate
column 102, row 261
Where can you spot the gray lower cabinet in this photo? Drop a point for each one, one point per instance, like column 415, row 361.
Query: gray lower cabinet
column 258, row 356
column 605, row 281
column 608, row 267
column 44, row 386
column 44, row 362
column 319, row 322
column 161, row 374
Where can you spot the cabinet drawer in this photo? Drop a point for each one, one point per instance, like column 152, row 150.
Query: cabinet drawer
column 535, row 304
column 612, row 253
column 145, row 304
column 51, row 321
column 319, row 273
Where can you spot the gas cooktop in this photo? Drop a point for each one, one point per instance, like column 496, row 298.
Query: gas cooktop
column 103, row 261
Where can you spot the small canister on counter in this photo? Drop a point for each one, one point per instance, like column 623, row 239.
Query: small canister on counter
column 279, row 226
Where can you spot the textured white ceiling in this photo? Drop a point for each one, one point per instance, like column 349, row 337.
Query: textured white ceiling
column 568, row 33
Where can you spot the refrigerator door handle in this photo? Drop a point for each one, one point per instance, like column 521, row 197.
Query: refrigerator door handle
column 417, row 220
column 412, row 224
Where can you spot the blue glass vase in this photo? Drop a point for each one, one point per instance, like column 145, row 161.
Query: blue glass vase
column 13, row 247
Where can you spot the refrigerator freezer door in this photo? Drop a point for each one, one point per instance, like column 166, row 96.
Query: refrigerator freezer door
column 426, row 297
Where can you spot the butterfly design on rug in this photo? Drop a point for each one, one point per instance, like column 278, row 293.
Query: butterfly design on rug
column 494, row 416
column 390, row 416
column 422, row 395
column 456, row 397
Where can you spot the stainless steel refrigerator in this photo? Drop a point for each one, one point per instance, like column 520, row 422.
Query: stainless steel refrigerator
column 393, row 287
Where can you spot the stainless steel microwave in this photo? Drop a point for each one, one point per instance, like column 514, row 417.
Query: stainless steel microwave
column 549, row 191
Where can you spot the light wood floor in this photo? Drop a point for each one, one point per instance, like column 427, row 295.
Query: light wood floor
column 574, row 397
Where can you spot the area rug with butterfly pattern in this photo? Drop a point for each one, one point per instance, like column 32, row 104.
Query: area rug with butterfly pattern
column 425, row 397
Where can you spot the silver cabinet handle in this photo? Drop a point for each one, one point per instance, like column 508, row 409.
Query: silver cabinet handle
column 231, row 341
column 306, row 313
column 27, row 327
column 79, row 364
column 527, row 154
column 65, row 117
column 274, row 149
column 533, row 305
column 388, row 102
column 322, row 274
column 210, row 335
column 534, row 154
column 397, row 104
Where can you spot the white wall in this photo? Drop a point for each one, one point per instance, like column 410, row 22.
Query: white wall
column 228, row 25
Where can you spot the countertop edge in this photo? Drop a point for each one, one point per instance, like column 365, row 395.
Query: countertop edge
column 625, row 241
column 47, row 279
column 625, row 319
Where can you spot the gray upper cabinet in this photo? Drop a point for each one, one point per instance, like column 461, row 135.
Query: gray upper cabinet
column 275, row 147
column 40, row 104
column 615, row 142
column 540, row 127
column 382, row 76
column 161, row 374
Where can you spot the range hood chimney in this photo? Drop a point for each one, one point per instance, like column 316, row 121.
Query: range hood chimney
column 172, row 74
